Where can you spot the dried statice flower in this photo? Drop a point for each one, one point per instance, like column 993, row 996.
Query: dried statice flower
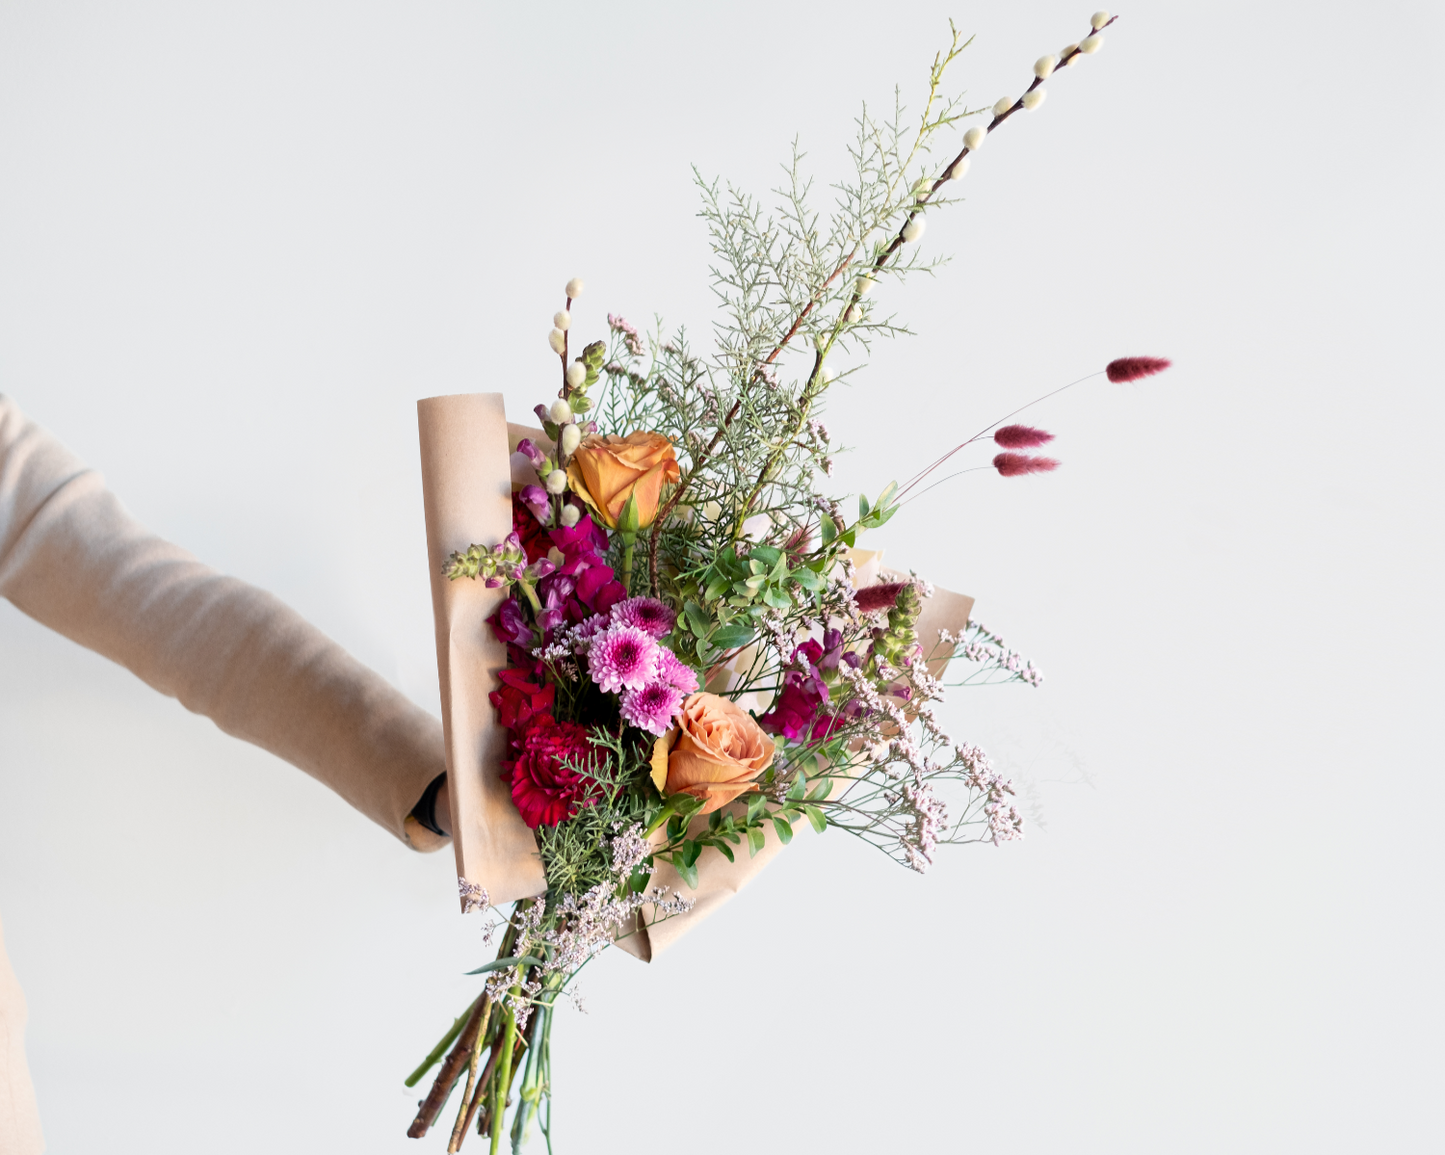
column 628, row 332
column 473, row 897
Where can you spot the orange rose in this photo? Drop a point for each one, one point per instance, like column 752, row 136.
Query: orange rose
column 719, row 751
column 606, row 471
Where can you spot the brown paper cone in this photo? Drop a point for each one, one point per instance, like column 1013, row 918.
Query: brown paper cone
column 467, row 489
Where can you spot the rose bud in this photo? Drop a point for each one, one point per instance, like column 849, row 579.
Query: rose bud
column 606, row 472
column 720, row 750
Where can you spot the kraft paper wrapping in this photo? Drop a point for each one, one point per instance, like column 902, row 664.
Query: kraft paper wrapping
column 468, row 476
column 467, row 491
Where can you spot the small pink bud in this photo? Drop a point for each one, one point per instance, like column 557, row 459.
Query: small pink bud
column 531, row 453
column 1132, row 368
column 1021, row 437
column 1017, row 464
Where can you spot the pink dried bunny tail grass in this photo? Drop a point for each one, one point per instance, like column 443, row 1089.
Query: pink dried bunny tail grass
column 879, row 597
column 1021, row 437
column 1133, row 368
column 1018, row 464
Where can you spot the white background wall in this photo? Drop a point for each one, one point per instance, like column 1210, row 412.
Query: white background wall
column 238, row 241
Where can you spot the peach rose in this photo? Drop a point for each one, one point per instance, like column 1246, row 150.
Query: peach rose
column 719, row 751
column 606, row 471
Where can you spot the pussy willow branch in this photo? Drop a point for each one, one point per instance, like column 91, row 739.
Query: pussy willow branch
column 811, row 393
column 878, row 263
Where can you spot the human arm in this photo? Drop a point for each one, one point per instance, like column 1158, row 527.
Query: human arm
column 72, row 558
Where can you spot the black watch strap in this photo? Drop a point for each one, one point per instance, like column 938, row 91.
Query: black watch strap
column 425, row 811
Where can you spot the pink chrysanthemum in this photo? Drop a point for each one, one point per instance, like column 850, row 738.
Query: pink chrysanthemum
column 1132, row 368
column 671, row 670
column 623, row 658
column 1017, row 464
column 1021, row 437
column 653, row 707
column 647, row 614
column 585, row 631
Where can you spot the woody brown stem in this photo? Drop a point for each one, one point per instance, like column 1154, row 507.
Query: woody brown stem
column 464, row 1112
column 441, row 1089
column 478, row 1097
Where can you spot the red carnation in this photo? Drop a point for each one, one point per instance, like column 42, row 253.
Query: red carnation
column 1021, row 437
column 1017, row 464
column 1132, row 368
column 546, row 789
column 519, row 700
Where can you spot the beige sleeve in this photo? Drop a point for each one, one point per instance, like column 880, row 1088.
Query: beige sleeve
column 19, row 1117
column 73, row 559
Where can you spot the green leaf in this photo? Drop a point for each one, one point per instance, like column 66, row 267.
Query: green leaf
column 829, row 528
column 821, row 790
column 756, row 841
column 884, row 497
column 862, row 506
column 816, row 817
column 756, row 805
column 778, row 599
column 798, row 788
column 767, row 555
column 687, row 872
column 716, row 588
column 808, row 579
column 697, row 619
column 785, row 831
column 731, row 636
column 726, row 851
column 503, row 963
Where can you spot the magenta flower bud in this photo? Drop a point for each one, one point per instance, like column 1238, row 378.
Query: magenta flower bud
column 534, row 497
column 532, row 453
column 1021, row 437
column 542, row 567
column 495, row 583
column 543, row 414
column 512, row 541
column 1017, row 464
column 1132, row 368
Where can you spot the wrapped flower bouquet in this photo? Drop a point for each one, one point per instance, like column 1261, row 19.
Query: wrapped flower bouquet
column 670, row 652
